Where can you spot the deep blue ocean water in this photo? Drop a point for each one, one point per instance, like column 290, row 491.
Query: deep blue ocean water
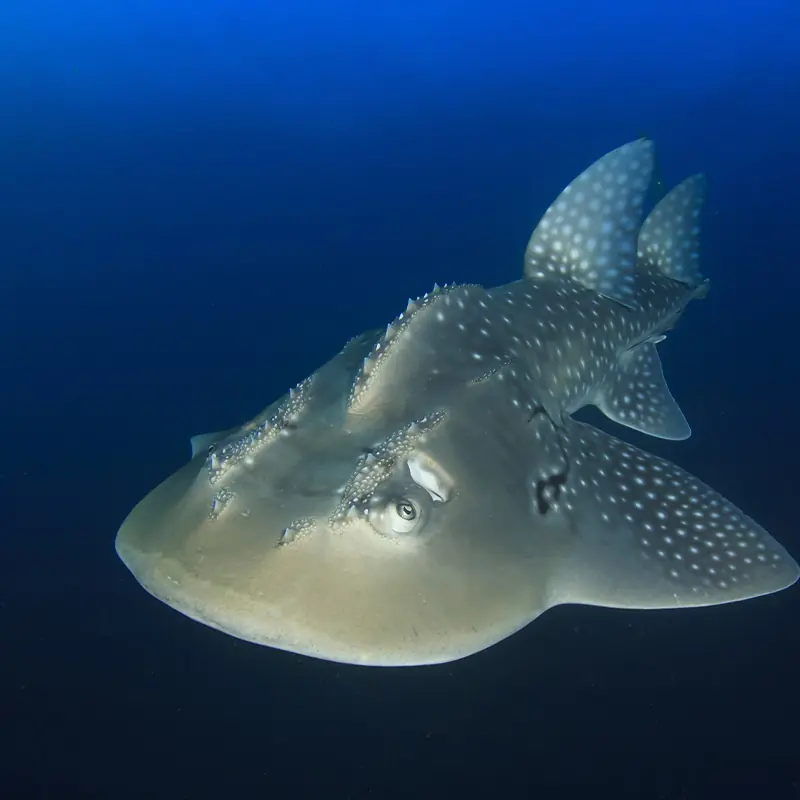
column 199, row 203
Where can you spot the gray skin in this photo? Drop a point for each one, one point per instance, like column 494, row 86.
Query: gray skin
column 426, row 493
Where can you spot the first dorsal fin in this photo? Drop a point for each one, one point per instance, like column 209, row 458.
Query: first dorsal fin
column 590, row 231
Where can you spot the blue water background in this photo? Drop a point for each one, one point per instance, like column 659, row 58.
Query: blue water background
column 199, row 203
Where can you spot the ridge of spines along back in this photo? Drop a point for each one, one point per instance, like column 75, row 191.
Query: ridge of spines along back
column 589, row 233
column 369, row 369
column 457, row 321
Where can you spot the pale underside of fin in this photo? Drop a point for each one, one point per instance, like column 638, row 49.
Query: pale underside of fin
column 636, row 395
column 647, row 534
column 202, row 441
column 669, row 240
column 590, row 231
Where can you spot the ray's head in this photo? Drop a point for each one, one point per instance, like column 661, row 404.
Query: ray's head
column 352, row 537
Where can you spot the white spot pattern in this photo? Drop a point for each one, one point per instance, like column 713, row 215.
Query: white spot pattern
column 637, row 395
column 669, row 240
column 589, row 233
column 703, row 545
column 563, row 332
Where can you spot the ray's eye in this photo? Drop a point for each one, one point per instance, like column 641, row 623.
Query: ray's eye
column 396, row 517
column 405, row 510
column 402, row 516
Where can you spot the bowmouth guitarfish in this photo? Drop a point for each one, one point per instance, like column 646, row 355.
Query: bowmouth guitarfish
column 426, row 493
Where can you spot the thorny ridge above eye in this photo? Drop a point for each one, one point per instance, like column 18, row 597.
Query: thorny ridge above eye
column 405, row 506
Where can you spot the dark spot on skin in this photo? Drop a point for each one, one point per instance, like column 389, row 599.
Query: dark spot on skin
column 548, row 492
column 549, row 489
column 536, row 410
